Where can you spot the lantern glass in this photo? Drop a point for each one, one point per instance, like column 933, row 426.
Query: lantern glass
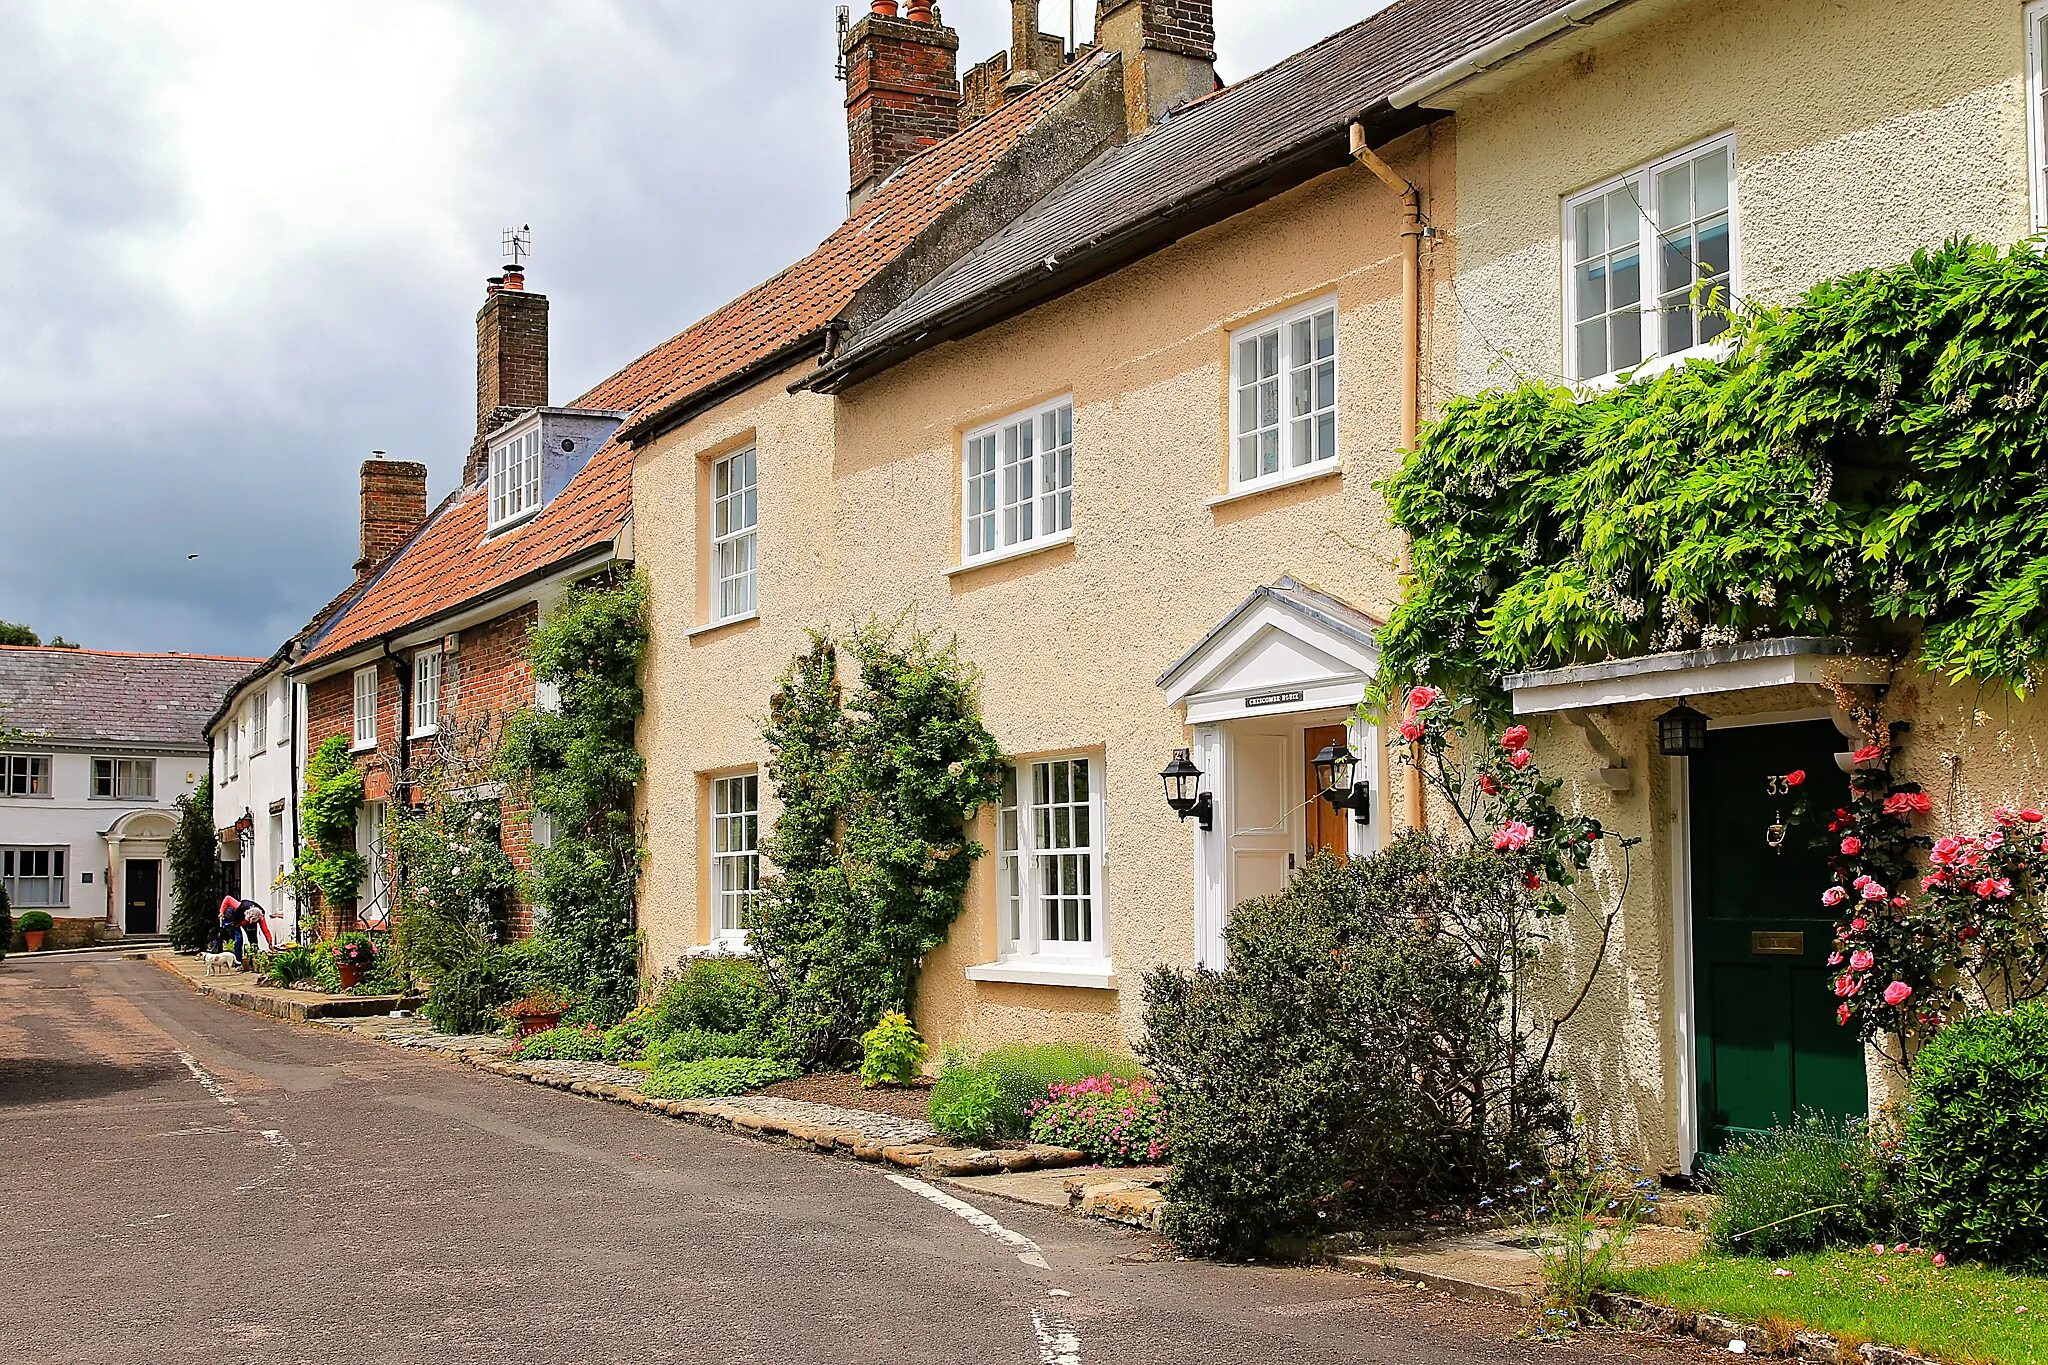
column 1182, row 780
column 1335, row 768
column 1681, row 732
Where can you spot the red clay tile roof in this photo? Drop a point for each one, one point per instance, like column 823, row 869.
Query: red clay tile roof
column 103, row 696
column 449, row 564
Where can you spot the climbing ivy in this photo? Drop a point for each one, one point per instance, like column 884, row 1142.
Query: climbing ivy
column 1867, row 460
column 577, row 764
column 870, row 847
column 328, row 862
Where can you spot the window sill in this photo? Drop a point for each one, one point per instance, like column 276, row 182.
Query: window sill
column 1014, row 552
column 369, row 748
column 1716, row 349
column 711, row 626
column 431, row 732
column 723, row 946
column 505, row 527
column 1097, row 975
column 1323, row 471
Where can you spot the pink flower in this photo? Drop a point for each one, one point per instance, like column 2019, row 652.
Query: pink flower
column 1519, row 759
column 1862, row 960
column 1834, row 895
column 1901, row 1249
column 1514, row 737
column 1834, row 959
column 1489, row 784
column 2005, row 815
column 1869, row 753
column 1897, row 994
column 1411, row 730
column 1945, row 850
column 1858, row 925
column 1995, row 839
column 1846, row 986
column 1851, row 846
column 1873, row 892
column 1842, row 1013
column 1877, row 1248
column 1863, row 879
column 1421, row 698
column 1907, row 803
column 1532, row 881
column 1939, row 1260
column 2032, row 817
column 1898, row 902
column 1513, row 835
column 1796, row 778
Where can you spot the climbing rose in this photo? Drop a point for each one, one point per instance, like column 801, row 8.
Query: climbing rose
column 1532, row 881
column 1411, row 730
column 1796, row 778
column 1851, row 846
column 1867, row 754
column 1842, row 1012
column 1945, row 851
column 1834, row 959
column 1513, row 835
column 1873, row 892
column 1908, row 803
column 1939, row 1260
column 1834, row 895
column 1847, row 985
column 1862, row 960
column 1519, row 759
column 1897, row 993
column 1514, row 737
column 1419, row 698
column 2031, row 816
column 1488, row 784
column 1858, row 925
column 2004, row 815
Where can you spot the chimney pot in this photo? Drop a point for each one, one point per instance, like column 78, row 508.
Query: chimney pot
column 902, row 91
column 494, row 285
column 515, row 278
column 921, row 13
column 885, row 8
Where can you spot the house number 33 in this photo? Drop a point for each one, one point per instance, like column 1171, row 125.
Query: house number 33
column 1777, row 785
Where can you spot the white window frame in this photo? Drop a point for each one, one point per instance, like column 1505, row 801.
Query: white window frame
column 31, row 772
column 280, row 724
column 426, row 692
column 259, row 723
column 1017, row 483
column 1651, row 284
column 734, row 814
column 116, row 768
column 363, row 691
column 1030, row 855
column 1296, row 442
column 234, row 747
column 280, row 859
column 56, row 876
column 514, row 478
column 735, row 524
column 2036, row 19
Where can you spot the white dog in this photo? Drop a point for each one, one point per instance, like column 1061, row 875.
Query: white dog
column 221, row 963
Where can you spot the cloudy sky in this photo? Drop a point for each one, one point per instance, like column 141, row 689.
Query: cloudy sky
column 242, row 244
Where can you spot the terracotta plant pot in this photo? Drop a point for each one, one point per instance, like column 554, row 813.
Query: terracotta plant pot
column 530, row 1024
column 33, row 939
column 351, row 975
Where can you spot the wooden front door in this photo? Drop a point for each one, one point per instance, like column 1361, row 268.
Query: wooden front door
column 1768, row 1043
column 139, row 892
column 1323, row 822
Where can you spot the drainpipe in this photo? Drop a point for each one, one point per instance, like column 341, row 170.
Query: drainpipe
column 1411, row 363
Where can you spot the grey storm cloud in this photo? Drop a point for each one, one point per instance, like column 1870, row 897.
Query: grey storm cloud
column 242, row 244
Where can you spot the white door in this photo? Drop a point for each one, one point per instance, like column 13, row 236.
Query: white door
column 1261, row 812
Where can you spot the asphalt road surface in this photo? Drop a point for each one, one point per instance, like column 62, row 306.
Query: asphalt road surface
column 181, row 1181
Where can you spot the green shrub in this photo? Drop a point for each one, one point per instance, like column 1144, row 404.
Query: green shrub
column 291, row 964
column 564, row 1044
column 891, row 1053
column 1352, row 1062
column 1815, row 1183
column 714, row 1076
column 468, row 996
column 714, row 994
column 695, row 1045
column 993, row 1095
column 6, row 923
column 1976, row 1141
column 34, row 921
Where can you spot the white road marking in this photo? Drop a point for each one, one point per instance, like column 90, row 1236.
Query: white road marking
column 1027, row 1250
column 213, row 1087
column 287, row 1155
column 1057, row 1344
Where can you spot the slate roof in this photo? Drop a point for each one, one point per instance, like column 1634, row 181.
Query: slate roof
column 450, row 564
column 99, row 696
column 1246, row 134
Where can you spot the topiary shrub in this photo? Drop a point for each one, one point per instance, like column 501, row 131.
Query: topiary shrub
column 35, row 921
column 891, row 1053
column 1815, row 1183
column 714, row 1076
column 1976, row 1142
column 1353, row 1061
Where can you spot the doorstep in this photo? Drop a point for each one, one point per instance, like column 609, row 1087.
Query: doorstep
column 242, row 991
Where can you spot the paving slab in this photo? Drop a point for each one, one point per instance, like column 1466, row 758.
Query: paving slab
column 1506, row 1263
column 241, row 990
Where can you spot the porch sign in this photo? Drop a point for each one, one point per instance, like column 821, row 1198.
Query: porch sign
column 1271, row 699
column 1768, row 1042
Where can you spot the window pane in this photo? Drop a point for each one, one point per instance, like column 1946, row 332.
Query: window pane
column 1674, row 197
column 1716, row 249
column 1625, row 340
column 1624, row 219
column 1326, row 334
column 1589, row 235
column 1589, row 296
column 1626, row 280
column 1710, row 182
column 1592, row 349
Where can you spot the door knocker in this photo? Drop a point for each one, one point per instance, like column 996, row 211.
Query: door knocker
column 1775, row 835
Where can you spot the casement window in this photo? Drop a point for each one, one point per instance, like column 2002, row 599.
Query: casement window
column 1635, row 247
column 125, row 779
column 365, row 709
column 735, row 514
column 2037, row 108
column 1018, row 481
column 34, row 878
column 426, row 691
column 281, row 725
column 24, row 774
column 234, row 747
column 735, row 853
column 373, row 906
column 1283, row 384
column 259, row 724
column 515, row 478
column 1049, row 860
column 280, row 856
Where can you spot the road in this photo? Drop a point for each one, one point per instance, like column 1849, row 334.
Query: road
column 186, row 1182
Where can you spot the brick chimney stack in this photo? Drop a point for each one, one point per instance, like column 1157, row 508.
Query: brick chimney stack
column 1169, row 53
column 394, row 504
column 1024, row 72
column 511, row 358
column 902, row 90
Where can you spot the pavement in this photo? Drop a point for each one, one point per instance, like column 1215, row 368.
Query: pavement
column 190, row 1182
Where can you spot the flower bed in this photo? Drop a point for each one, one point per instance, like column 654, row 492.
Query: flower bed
column 1117, row 1121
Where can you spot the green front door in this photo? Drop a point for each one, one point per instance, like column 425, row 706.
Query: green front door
column 1769, row 1045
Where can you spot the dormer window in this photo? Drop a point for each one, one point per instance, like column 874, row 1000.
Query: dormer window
column 515, row 478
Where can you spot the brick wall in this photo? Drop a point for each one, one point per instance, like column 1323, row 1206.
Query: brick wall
column 902, row 94
column 394, row 503
column 1184, row 26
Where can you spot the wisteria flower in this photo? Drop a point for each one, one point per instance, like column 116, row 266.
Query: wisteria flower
column 1897, row 994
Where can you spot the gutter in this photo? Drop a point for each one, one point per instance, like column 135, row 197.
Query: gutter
column 1501, row 50
column 641, row 430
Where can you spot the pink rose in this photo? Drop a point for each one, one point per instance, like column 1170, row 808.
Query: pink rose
column 2032, row 817
column 1421, row 698
column 1858, row 925
column 1519, row 759
column 1834, row 959
column 1862, row 960
column 1847, row 985
column 1834, row 895
column 1995, row 839
column 1863, row 879
column 2004, row 815
column 1851, row 846
column 1873, row 892
column 1945, row 850
column 1489, row 784
column 1897, row 994
column 1514, row 737
column 1898, row 902
column 1939, row 1260
column 1842, row 1012
column 1869, row 753
column 1796, row 778
column 1532, row 881
column 1513, row 835
column 1411, row 730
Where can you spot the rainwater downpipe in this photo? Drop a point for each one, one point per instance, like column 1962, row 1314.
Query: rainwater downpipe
column 1410, row 370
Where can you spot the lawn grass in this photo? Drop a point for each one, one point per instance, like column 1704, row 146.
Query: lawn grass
column 1964, row 1314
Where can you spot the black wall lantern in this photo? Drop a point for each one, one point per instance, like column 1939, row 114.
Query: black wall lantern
column 1183, row 782
column 1681, row 732
column 1337, row 775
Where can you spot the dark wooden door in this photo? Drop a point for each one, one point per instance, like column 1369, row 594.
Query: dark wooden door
column 139, row 892
column 1768, row 1043
column 1323, row 823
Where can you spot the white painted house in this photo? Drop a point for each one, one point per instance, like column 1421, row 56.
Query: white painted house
column 95, row 749
column 256, row 753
